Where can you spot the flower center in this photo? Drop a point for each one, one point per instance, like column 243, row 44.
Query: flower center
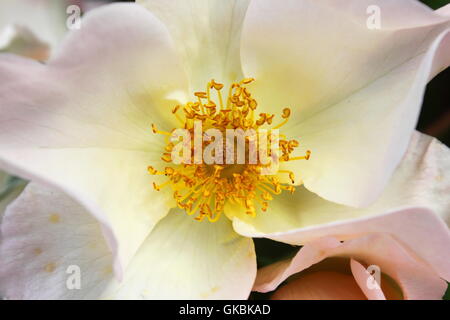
column 203, row 188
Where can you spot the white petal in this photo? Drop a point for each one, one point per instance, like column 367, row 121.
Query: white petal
column 81, row 123
column 355, row 93
column 45, row 232
column 44, row 235
column 186, row 259
column 207, row 33
column 420, row 180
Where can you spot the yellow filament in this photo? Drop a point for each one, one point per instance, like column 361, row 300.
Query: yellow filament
column 202, row 190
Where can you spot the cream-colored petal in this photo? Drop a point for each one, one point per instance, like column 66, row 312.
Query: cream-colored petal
column 415, row 278
column 186, row 259
column 47, row 241
column 420, row 180
column 45, row 232
column 355, row 93
column 207, row 34
column 321, row 52
column 81, row 123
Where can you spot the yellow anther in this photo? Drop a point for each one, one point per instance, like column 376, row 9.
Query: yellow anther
column 204, row 190
column 292, row 177
column 201, row 95
column 253, row 104
column 152, row 170
column 286, row 113
column 167, row 157
column 168, row 171
column 195, row 106
column 210, row 104
column 269, row 119
column 308, row 154
column 216, row 85
column 169, row 147
column 175, row 109
column 247, row 80
column 293, row 144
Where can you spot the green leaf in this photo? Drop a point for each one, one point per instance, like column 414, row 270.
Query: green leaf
column 435, row 4
column 447, row 293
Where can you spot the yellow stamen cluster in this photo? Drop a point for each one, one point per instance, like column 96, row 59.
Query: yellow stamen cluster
column 202, row 189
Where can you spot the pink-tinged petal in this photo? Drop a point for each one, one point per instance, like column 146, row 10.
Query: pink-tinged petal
column 445, row 10
column 419, row 181
column 355, row 93
column 207, row 34
column 47, row 239
column 270, row 277
column 320, row 285
column 362, row 277
column 45, row 232
column 81, row 123
column 416, row 279
column 419, row 228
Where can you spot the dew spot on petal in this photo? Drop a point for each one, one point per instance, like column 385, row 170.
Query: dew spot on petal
column 54, row 218
column 50, row 267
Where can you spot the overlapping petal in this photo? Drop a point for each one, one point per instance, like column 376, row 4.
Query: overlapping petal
column 181, row 258
column 419, row 181
column 355, row 93
column 42, row 21
column 207, row 34
column 82, row 122
column 415, row 278
column 47, row 241
column 186, row 259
